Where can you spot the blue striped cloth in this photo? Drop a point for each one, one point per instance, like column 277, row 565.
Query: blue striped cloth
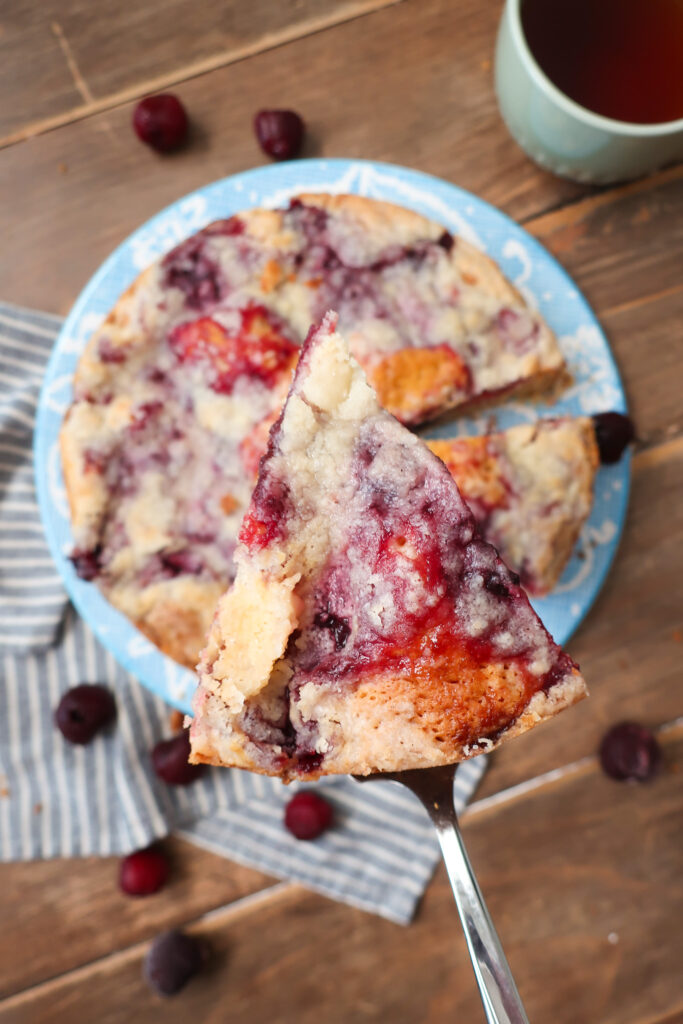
column 59, row 800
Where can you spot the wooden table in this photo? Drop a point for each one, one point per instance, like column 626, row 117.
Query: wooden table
column 582, row 874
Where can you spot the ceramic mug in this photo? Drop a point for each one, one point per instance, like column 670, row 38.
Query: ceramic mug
column 563, row 136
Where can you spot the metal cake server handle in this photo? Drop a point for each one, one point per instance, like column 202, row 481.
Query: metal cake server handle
column 434, row 788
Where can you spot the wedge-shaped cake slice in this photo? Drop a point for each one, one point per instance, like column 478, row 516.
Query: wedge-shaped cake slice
column 530, row 489
column 369, row 627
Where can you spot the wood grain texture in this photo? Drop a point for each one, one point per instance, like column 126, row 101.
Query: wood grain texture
column 583, row 922
column 630, row 647
column 62, row 60
column 61, row 914
column 622, row 246
column 83, row 188
column 647, row 341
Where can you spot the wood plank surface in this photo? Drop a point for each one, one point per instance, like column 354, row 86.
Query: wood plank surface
column 588, row 933
column 426, row 64
column 79, row 903
column 622, row 246
column 647, row 342
column 61, row 60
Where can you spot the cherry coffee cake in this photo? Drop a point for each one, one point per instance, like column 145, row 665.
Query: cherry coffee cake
column 177, row 389
column 369, row 626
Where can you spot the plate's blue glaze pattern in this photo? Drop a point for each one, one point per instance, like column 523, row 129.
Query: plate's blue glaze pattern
column 596, row 384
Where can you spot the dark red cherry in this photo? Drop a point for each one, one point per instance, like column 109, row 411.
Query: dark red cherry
column 338, row 627
column 83, row 711
column 189, row 268
column 86, row 563
column 613, row 432
column 143, row 872
column 307, row 815
column 280, row 133
column 630, row 751
column 183, row 561
column 172, row 959
column 446, row 241
column 160, row 122
column 170, row 761
column 495, row 584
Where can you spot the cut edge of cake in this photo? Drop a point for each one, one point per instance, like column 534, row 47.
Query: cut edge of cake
column 244, row 663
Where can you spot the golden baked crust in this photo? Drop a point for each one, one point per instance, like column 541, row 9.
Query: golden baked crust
column 530, row 489
column 386, row 724
column 407, row 380
column 369, row 628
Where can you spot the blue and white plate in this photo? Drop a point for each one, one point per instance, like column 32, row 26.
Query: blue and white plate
column 544, row 283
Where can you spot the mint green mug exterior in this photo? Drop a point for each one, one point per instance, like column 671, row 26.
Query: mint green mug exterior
column 563, row 136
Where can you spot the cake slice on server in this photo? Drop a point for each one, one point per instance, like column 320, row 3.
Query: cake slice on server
column 369, row 627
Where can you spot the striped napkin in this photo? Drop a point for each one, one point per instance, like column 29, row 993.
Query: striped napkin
column 59, row 800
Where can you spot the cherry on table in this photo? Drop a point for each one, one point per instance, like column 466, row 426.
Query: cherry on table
column 170, row 761
column 143, row 873
column 613, row 432
column 630, row 752
column 280, row 133
column 83, row 711
column 172, row 959
column 308, row 815
column 160, row 122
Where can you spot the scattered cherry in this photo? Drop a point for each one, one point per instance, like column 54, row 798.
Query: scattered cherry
column 613, row 432
column 307, row 815
column 143, row 872
column 83, row 711
column 630, row 751
column 160, row 122
column 170, row 761
column 280, row 133
column 172, row 959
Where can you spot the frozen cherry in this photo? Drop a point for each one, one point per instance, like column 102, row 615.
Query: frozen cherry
column 279, row 133
column 307, row 815
column 613, row 432
column 143, row 872
column 172, row 959
column 170, row 761
column 160, row 122
column 83, row 711
column 630, row 751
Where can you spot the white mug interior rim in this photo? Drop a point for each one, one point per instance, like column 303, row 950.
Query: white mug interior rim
column 610, row 124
